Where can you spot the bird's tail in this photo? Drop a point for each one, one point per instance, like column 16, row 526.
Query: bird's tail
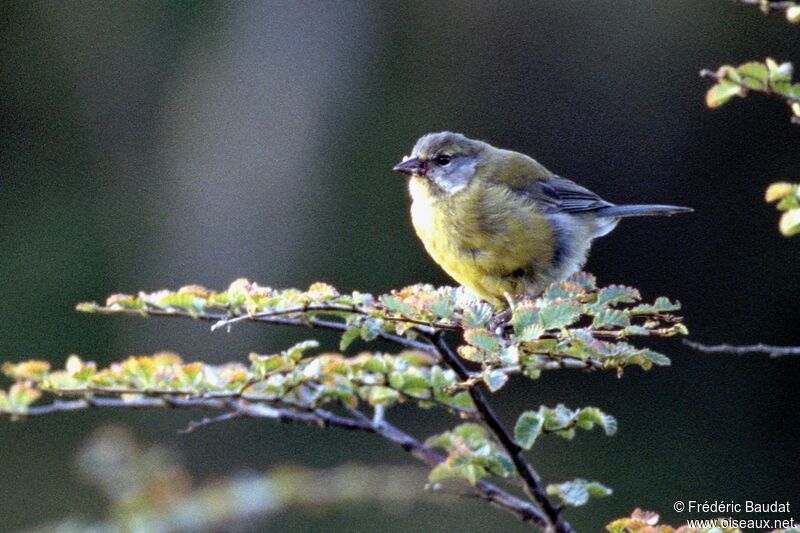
column 643, row 210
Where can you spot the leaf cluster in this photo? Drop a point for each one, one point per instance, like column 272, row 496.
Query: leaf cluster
column 574, row 324
column 286, row 378
column 787, row 196
column 768, row 77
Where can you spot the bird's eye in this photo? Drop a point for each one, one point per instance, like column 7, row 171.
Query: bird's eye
column 442, row 159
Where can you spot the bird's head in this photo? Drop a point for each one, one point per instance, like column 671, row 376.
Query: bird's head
column 447, row 160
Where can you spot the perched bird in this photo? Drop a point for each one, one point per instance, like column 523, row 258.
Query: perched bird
column 499, row 222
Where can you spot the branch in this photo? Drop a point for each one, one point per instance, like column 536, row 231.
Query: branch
column 318, row 417
column 764, row 89
column 768, row 5
column 533, row 486
column 773, row 351
column 270, row 318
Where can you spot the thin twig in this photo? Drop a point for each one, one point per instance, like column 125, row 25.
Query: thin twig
column 769, row 5
column 329, row 308
column 207, row 421
column 533, row 485
column 546, row 515
column 308, row 322
column 318, row 417
column 773, row 351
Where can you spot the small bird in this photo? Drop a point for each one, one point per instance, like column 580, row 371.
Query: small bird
column 500, row 223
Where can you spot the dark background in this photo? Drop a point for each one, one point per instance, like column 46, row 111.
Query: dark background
column 154, row 144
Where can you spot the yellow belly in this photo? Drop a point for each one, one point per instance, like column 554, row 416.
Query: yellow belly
column 487, row 239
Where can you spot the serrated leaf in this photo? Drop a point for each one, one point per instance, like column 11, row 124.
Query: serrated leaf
column 482, row 339
column 530, row 333
column 527, row 429
column 663, row 305
column 559, row 315
column 523, row 317
column 477, row 315
column 611, row 318
column 443, row 308
column 615, row 294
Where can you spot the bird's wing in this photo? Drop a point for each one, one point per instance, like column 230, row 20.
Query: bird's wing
column 560, row 195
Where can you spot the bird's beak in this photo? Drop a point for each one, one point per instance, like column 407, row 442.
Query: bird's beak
column 410, row 166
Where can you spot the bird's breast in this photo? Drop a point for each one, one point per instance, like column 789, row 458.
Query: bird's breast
column 486, row 238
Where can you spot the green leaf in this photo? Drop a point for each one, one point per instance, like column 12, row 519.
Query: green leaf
column 495, row 379
column 509, row 355
column 441, row 378
column 721, row 92
column 477, row 315
column 663, row 305
column 780, row 71
column 461, row 401
column 656, row 358
column 589, row 416
column 530, row 333
column 754, row 75
column 527, row 429
column 611, row 318
column 295, row 353
column 636, row 330
column 349, row 335
column 382, row 395
column 577, row 492
column 188, row 302
column 441, row 472
column 559, row 316
column 264, row 364
column 443, row 308
column 482, row 339
column 790, row 223
column 394, row 305
column 371, row 328
column 616, row 294
column 524, row 316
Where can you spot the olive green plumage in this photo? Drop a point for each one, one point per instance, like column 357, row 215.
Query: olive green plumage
column 499, row 222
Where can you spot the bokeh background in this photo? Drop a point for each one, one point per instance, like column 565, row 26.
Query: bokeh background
column 154, row 144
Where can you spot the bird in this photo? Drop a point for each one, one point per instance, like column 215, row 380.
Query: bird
column 500, row 223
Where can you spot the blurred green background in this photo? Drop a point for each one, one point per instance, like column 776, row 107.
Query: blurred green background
column 155, row 144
